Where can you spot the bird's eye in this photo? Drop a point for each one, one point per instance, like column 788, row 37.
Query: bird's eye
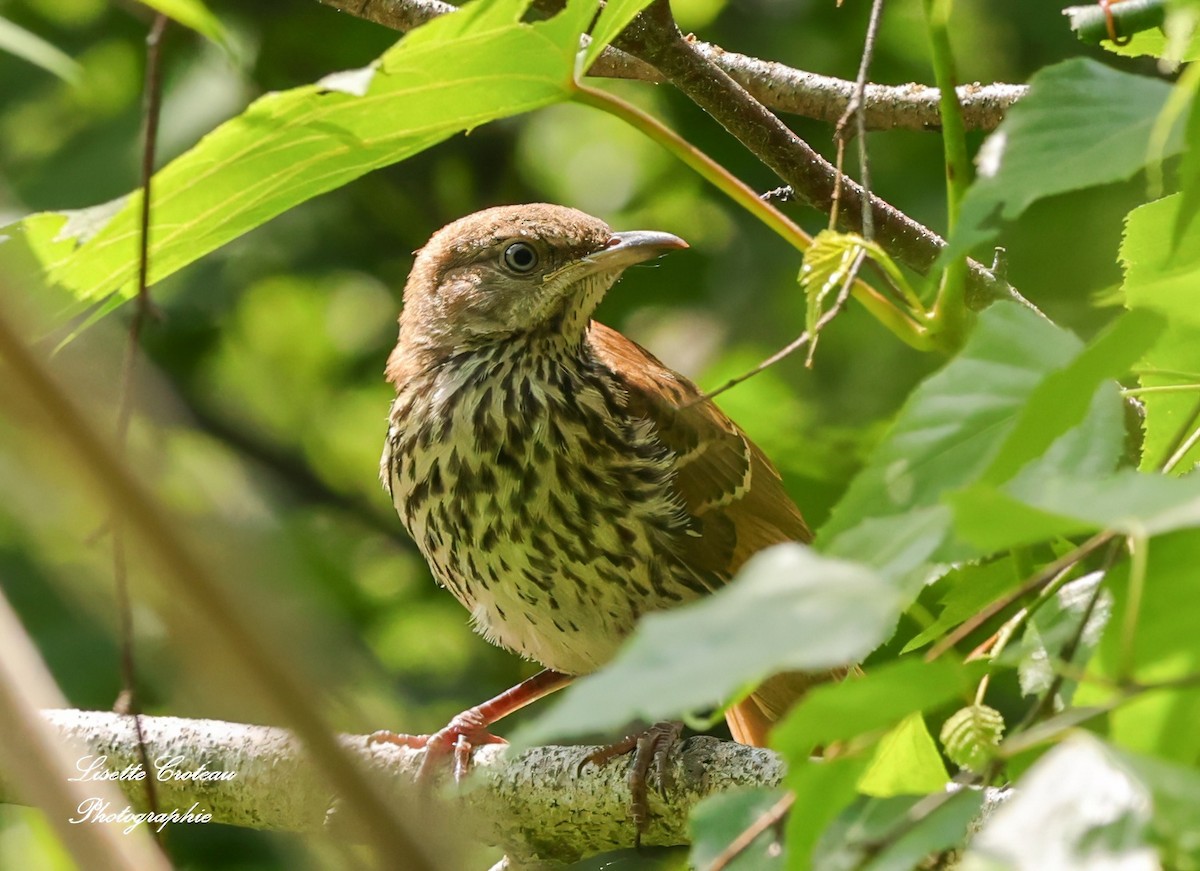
column 520, row 257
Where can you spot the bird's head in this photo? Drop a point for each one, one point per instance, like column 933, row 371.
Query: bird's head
column 516, row 270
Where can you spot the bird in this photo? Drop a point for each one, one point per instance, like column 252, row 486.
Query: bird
column 559, row 479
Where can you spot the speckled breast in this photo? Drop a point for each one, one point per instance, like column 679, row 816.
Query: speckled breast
column 539, row 501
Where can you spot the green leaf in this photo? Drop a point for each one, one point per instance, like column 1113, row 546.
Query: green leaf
column 853, row 841
column 30, row 47
column 1183, row 45
column 823, row 788
column 952, row 426
column 1160, row 274
column 195, row 15
column 968, row 589
column 878, row 700
column 1165, row 277
column 829, row 261
column 1036, row 507
column 1080, row 125
column 450, row 75
column 1175, row 794
column 1063, row 398
column 906, row 762
column 899, row 546
column 614, row 17
column 789, row 608
column 992, row 520
column 1161, row 646
column 1052, row 627
column 1086, row 805
column 1038, row 503
column 971, row 736
column 718, row 821
column 1189, row 166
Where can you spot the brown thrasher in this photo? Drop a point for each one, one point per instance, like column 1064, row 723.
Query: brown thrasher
column 559, row 479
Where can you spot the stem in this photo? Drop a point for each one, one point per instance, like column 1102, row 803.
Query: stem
column 1139, row 547
column 1182, row 442
column 1010, row 627
column 855, row 110
column 950, row 310
column 1162, row 388
column 719, row 176
column 1071, row 647
column 898, row 322
column 1052, row 727
column 129, row 701
column 1145, row 371
column 1130, row 16
column 1046, row 575
column 742, row 842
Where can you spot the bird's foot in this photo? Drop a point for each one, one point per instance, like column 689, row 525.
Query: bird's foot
column 651, row 749
column 458, row 738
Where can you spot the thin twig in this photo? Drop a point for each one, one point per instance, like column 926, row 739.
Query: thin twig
column 917, row 814
column 1044, row 576
column 855, row 110
column 1182, row 442
column 742, row 842
column 1139, row 547
column 799, row 342
column 1071, row 647
column 128, row 701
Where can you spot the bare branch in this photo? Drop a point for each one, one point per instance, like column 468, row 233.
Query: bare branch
column 538, row 806
column 783, row 88
column 885, row 107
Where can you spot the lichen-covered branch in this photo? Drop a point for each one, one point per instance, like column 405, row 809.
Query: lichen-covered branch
column 783, row 88
column 538, row 806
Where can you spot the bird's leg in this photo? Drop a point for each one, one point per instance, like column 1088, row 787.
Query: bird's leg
column 650, row 748
column 469, row 729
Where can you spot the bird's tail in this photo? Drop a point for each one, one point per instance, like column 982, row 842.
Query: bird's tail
column 751, row 719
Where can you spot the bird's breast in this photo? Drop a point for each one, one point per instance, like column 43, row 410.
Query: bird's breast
column 543, row 505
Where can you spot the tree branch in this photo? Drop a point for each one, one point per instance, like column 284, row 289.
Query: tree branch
column 783, row 88
column 885, row 107
column 654, row 37
column 696, row 69
column 537, row 805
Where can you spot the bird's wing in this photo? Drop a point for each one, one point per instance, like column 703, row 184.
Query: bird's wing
column 726, row 482
column 728, row 485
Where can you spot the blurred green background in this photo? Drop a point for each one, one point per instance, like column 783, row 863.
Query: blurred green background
column 262, row 413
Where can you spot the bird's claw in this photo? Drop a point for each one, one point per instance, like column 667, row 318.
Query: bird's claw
column 651, row 749
column 458, row 739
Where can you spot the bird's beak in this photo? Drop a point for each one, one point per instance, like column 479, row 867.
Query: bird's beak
column 634, row 246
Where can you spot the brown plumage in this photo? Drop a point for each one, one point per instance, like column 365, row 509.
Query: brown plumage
column 559, row 479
